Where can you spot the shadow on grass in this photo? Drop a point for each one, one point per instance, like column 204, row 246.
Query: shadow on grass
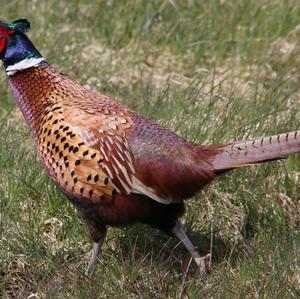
column 154, row 246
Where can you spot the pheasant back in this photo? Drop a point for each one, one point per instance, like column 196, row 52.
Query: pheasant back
column 94, row 147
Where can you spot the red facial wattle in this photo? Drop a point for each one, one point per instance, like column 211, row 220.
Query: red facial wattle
column 4, row 33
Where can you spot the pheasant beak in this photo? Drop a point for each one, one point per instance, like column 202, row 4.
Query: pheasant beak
column 4, row 33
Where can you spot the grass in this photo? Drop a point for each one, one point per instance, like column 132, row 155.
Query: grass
column 213, row 71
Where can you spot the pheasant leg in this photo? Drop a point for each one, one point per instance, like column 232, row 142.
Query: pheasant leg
column 93, row 260
column 179, row 232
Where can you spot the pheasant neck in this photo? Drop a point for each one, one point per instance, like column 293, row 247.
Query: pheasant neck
column 33, row 90
column 23, row 64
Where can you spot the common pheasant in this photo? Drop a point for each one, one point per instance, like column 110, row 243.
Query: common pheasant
column 116, row 166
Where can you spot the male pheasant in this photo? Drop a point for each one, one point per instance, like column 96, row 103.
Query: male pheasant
column 115, row 166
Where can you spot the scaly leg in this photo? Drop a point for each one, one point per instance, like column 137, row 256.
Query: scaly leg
column 179, row 232
column 93, row 260
column 97, row 232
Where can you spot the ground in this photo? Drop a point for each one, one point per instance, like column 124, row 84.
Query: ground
column 213, row 71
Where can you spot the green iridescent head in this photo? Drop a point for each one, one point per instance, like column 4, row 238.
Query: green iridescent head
column 19, row 25
column 7, row 29
column 15, row 46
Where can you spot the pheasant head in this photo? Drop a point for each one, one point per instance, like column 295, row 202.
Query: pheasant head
column 16, row 50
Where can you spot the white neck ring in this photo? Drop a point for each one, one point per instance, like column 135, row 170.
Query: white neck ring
column 24, row 64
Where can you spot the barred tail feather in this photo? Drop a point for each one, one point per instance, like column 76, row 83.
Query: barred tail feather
column 259, row 150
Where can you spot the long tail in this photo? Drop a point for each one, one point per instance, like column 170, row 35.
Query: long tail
column 244, row 153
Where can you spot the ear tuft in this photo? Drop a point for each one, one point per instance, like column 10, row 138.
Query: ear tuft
column 22, row 25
